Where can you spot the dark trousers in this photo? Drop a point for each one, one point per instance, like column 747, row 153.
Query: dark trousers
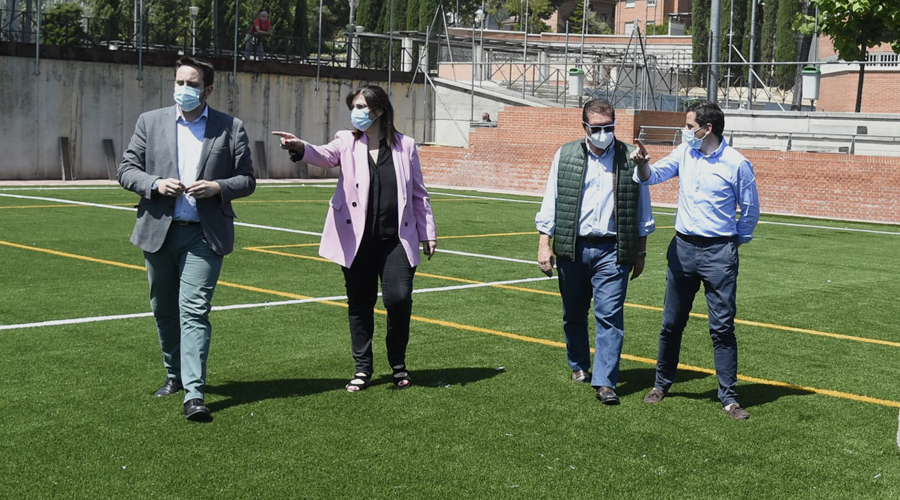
column 715, row 264
column 384, row 259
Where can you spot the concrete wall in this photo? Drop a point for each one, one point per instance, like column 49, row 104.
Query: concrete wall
column 89, row 101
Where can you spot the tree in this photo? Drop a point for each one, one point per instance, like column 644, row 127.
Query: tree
column 767, row 40
column 61, row 25
column 594, row 25
column 786, row 43
column 745, row 49
column 734, row 13
column 856, row 26
column 700, row 26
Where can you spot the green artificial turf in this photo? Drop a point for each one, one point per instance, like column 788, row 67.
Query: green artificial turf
column 492, row 412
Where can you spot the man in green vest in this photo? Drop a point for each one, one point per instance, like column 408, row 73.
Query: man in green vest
column 598, row 218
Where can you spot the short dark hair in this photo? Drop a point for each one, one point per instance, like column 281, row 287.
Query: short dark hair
column 204, row 67
column 376, row 98
column 598, row 106
column 709, row 112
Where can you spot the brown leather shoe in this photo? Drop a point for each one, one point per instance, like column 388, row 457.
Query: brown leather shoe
column 735, row 411
column 581, row 376
column 607, row 395
column 654, row 396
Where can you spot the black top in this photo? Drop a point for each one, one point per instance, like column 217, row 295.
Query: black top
column 381, row 214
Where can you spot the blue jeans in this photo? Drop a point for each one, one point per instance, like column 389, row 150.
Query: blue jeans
column 183, row 276
column 594, row 274
column 715, row 264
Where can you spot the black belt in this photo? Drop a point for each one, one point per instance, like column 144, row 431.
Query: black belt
column 597, row 240
column 185, row 222
column 703, row 239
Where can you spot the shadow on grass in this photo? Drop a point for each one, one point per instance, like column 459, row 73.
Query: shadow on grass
column 640, row 380
column 240, row 393
column 445, row 376
column 749, row 395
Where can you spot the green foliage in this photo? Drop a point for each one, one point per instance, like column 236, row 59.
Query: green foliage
column 700, row 40
column 767, row 39
column 855, row 25
column 786, row 43
column 662, row 29
column 748, row 28
column 734, row 22
column 62, row 25
column 594, row 25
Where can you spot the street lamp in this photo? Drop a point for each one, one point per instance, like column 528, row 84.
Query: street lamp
column 194, row 11
column 350, row 32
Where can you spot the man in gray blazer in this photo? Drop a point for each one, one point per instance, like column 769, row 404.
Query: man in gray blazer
column 187, row 162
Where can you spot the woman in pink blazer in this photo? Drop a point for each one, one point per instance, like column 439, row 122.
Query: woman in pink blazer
column 379, row 213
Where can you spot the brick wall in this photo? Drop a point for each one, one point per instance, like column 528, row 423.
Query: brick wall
column 837, row 92
column 516, row 156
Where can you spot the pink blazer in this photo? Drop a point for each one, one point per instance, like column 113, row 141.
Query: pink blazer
column 346, row 218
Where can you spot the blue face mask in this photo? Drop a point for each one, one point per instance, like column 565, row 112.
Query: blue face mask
column 187, row 97
column 360, row 119
column 687, row 136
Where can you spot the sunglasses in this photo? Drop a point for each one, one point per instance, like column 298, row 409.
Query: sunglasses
column 597, row 128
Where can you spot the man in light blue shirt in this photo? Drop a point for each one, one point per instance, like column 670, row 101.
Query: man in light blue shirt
column 598, row 218
column 714, row 179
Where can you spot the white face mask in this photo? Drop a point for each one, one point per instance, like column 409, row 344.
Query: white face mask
column 602, row 140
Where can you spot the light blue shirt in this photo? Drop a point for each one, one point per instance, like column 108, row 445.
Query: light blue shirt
column 710, row 188
column 597, row 214
column 188, row 147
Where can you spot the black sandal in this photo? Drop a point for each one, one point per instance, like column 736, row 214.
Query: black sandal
column 401, row 377
column 359, row 382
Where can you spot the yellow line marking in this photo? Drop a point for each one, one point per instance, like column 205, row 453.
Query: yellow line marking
column 533, row 233
column 499, row 333
column 73, row 256
column 681, row 366
column 282, row 246
column 286, row 254
column 324, row 200
column 627, row 304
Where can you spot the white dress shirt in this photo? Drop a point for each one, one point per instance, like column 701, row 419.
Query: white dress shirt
column 188, row 146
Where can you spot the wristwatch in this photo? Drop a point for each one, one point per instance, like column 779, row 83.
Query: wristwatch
column 642, row 254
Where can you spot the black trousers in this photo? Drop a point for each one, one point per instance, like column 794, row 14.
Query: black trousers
column 384, row 259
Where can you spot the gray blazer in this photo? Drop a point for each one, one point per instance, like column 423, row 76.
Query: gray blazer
column 224, row 158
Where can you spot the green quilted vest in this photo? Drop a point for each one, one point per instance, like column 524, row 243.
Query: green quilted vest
column 569, row 186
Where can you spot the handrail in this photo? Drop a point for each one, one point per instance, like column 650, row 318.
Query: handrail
column 666, row 135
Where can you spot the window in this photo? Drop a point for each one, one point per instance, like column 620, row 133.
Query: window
column 651, row 3
column 629, row 3
column 629, row 28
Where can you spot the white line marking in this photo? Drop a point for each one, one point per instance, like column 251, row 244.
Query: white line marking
column 485, row 197
column 94, row 319
column 494, row 257
column 273, row 228
column 67, row 202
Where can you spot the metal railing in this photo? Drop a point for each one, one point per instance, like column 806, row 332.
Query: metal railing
column 811, row 142
column 367, row 51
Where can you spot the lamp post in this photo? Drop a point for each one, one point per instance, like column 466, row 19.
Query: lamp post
column 477, row 57
column 351, row 31
column 194, row 11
